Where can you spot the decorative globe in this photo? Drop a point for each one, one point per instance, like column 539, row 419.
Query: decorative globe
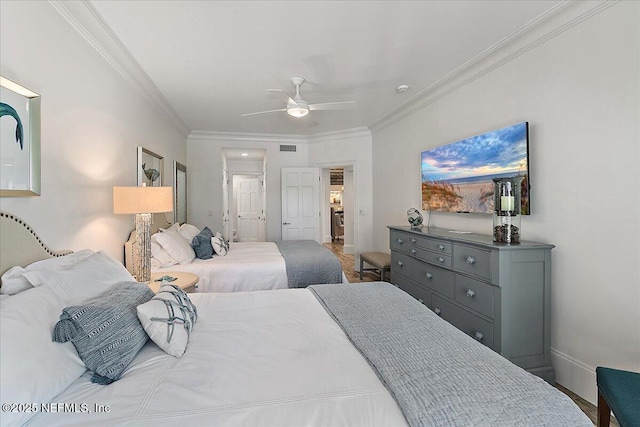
column 414, row 217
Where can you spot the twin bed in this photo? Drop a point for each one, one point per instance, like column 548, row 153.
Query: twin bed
column 330, row 355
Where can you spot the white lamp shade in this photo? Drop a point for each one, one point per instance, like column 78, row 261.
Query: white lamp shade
column 133, row 200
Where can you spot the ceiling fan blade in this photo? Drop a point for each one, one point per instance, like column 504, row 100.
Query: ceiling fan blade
column 264, row 112
column 290, row 100
column 330, row 105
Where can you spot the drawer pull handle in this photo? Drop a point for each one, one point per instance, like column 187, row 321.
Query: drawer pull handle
column 413, row 251
column 413, row 240
column 471, row 293
column 441, row 247
column 471, row 260
column 400, row 263
column 400, row 241
column 440, row 259
column 437, row 311
column 420, row 300
column 478, row 336
column 429, row 276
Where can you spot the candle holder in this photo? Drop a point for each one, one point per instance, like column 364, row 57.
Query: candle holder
column 506, row 218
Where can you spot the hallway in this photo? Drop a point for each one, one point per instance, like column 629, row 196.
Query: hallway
column 347, row 264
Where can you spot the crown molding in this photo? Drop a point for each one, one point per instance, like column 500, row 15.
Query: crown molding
column 545, row 27
column 248, row 137
column 84, row 18
column 340, row 134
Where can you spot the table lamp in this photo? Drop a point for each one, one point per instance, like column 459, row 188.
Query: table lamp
column 144, row 202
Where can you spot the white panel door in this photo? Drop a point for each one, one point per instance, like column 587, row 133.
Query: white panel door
column 300, row 204
column 248, row 208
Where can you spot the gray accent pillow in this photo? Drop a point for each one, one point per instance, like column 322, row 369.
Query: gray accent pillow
column 202, row 244
column 106, row 332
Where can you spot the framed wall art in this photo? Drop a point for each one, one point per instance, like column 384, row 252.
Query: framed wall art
column 150, row 167
column 19, row 140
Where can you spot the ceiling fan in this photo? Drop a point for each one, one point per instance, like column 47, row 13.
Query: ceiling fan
column 298, row 107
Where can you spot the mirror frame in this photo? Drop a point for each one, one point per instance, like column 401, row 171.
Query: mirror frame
column 179, row 193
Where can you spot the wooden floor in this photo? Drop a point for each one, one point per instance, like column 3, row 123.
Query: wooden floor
column 354, row 277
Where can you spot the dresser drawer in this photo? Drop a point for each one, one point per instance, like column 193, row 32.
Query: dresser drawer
column 432, row 257
column 422, row 295
column 476, row 295
column 469, row 323
column 436, row 278
column 440, row 246
column 401, row 264
column 472, row 260
column 399, row 241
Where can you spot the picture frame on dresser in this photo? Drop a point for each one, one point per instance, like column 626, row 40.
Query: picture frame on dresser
column 19, row 140
column 498, row 294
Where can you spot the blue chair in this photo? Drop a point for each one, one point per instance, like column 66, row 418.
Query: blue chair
column 618, row 392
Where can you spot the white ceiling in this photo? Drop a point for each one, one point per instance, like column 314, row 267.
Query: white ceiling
column 215, row 60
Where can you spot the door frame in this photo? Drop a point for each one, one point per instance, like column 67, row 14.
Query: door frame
column 233, row 214
column 324, row 201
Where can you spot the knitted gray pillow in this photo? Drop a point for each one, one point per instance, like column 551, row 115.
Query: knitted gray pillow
column 106, row 333
column 202, row 244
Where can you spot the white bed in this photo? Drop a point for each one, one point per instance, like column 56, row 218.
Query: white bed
column 247, row 266
column 262, row 358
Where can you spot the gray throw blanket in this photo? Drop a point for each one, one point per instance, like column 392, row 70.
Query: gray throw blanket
column 309, row 263
column 438, row 375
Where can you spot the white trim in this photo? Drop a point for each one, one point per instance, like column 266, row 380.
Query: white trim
column 342, row 134
column 555, row 21
column 233, row 136
column 86, row 20
column 575, row 375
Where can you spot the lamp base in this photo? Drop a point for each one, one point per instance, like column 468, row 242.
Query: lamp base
column 142, row 265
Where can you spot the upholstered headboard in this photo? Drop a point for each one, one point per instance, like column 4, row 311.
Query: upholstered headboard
column 20, row 245
column 159, row 221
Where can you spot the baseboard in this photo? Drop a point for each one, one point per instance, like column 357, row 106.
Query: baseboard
column 326, row 238
column 575, row 375
column 347, row 249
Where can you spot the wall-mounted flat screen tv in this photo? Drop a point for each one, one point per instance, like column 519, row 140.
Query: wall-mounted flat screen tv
column 458, row 177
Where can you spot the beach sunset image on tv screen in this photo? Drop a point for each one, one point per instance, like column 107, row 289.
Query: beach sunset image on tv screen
column 458, row 177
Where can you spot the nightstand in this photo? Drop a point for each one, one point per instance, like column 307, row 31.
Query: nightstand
column 186, row 281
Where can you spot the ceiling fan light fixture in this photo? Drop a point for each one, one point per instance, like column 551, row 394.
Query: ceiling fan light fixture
column 297, row 111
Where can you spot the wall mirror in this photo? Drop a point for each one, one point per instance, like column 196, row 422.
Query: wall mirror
column 150, row 168
column 179, row 193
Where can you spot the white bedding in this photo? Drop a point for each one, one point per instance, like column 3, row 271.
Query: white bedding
column 248, row 266
column 254, row 359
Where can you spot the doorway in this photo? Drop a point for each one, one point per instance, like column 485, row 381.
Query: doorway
column 248, row 208
column 339, row 198
column 244, row 194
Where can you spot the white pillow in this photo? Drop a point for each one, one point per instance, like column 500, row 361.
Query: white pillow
column 13, row 280
column 85, row 280
column 171, row 302
column 176, row 246
column 220, row 244
column 175, row 227
column 189, row 231
column 159, row 254
column 34, row 369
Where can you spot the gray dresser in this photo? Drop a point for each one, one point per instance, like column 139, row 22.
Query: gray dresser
column 498, row 294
